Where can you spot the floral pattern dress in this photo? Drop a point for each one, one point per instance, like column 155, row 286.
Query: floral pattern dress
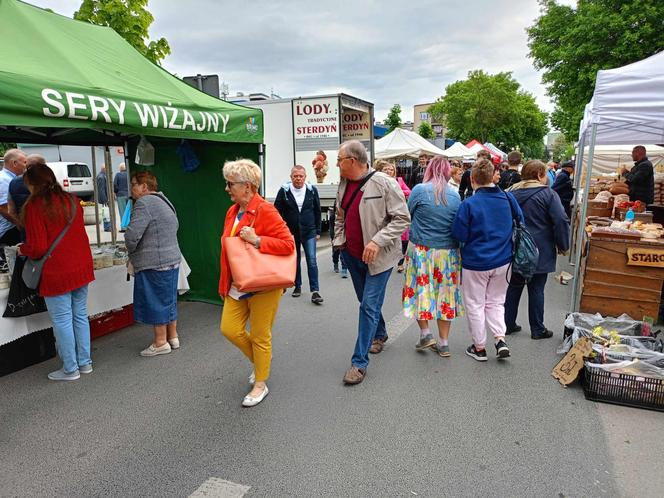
column 432, row 289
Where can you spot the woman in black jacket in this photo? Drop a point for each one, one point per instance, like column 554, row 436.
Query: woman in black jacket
column 548, row 224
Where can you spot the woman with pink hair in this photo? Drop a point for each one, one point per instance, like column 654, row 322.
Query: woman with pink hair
column 432, row 289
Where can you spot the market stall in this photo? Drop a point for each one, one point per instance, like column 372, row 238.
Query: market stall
column 627, row 108
column 619, row 250
column 72, row 83
column 402, row 143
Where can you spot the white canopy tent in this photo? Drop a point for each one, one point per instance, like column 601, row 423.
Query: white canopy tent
column 609, row 158
column 496, row 150
column 459, row 151
column 405, row 144
column 627, row 107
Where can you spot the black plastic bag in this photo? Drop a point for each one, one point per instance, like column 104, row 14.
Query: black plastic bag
column 21, row 300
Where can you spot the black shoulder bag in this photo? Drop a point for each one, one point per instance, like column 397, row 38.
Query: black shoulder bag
column 525, row 254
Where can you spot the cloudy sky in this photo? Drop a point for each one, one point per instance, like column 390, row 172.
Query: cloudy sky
column 387, row 52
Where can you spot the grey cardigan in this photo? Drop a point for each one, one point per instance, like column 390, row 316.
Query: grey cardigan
column 151, row 237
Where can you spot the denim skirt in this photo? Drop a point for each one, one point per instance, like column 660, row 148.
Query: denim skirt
column 156, row 296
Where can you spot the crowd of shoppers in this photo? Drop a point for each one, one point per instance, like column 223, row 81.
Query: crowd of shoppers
column 453, row 234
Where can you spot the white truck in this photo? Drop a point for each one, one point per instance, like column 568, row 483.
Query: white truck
column 297, row 129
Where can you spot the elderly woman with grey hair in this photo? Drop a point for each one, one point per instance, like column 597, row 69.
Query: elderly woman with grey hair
column 258, row 222
column 154, row 254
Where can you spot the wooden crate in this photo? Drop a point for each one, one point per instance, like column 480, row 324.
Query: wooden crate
column 611, row 287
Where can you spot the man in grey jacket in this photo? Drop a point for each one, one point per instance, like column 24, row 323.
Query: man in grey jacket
column 371, row 216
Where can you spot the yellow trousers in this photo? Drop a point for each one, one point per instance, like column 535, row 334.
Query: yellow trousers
column 259, row 311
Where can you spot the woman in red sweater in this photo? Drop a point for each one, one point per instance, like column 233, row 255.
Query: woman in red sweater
column 67, row 273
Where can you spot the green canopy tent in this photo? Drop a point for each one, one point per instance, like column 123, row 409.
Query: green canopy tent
column 68, row 82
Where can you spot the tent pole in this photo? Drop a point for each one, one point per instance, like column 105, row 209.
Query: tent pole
column 96, row 193
column 109, row 190
column 578, row 169
column 580, row 231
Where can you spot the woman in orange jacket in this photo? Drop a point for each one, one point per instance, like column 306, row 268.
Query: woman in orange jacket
column 257, row 222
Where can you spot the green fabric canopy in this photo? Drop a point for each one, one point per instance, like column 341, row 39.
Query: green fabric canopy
column 57, row 73
column 70, row 82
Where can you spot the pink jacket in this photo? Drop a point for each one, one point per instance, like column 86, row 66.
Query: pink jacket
column 406, row 191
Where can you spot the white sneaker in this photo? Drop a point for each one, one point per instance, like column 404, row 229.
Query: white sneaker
column 250, row 401
column 152, row 351
column 175, row 343
column 252, row 378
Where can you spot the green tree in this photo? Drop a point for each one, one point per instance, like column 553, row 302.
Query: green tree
column 130, row 19
column 559, row 149
column 493, row 108
column 425, row 130
column 571, row 44
column 393, row 119
column 6, row 146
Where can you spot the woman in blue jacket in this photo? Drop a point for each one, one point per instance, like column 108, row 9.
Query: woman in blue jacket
column 483, row 225
column 548, row 224
column 433, row 265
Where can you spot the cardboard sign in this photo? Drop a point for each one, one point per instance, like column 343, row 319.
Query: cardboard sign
column 567, row 369
column 642, row 256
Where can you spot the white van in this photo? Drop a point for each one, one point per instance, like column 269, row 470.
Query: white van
column 75, row 178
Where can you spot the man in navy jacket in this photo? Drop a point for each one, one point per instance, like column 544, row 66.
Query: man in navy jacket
column 564, row 188
column 299, row 206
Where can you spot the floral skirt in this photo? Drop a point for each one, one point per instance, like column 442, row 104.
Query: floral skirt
column 432, row 288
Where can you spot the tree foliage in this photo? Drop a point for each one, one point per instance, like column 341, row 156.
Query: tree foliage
column 393, row 119
column 130, row 19
column 425, row 130
column 5, row 147
column 493, row 108
column 560, row 149
column 571, row 44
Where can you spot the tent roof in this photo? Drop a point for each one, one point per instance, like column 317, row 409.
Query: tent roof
column 628, row 104
column 404, row 143
column 459, row 151
column 58, row 73
column 495, row 150
column 608, row 158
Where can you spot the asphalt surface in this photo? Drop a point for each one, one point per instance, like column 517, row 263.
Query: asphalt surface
column 419, row 425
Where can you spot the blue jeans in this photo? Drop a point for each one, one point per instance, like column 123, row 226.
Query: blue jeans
column 535, row 302
column 69, row 314
column 370, row 290
column 312, row 267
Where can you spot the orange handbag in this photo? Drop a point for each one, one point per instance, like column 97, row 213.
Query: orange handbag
column 254, row 271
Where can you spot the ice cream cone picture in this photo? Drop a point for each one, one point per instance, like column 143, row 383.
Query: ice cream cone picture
column 320, row 166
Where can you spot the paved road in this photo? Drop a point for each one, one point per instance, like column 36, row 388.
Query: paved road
column 419, row 425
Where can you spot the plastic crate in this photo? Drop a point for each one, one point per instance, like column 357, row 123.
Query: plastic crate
column 623, row 389
column 110, row 321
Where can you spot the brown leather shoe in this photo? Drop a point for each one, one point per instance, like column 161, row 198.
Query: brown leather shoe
column 376, row 346
column 354, row 375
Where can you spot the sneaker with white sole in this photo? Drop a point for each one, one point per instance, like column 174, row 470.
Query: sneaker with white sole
column 249, row 401
column 425, row 342
column 86, row 369
column 502, row 351
column 479, row 355
column 151, row 350
column 61, row 375
column 175, row 343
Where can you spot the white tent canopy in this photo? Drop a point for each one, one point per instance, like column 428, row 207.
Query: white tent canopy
column 495, row 150
column 404, row 143
column 609, row 158
column 458, row 151
column 627, row 108
column 628, row 104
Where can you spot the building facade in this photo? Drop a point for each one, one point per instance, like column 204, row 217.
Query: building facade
column 421, row 114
